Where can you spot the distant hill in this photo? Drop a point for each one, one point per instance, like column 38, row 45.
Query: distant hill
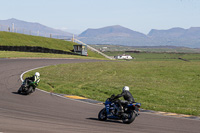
column 177, row 37
column 111, row 31
column 171, row 33
column 32, row 28
column 118, row 35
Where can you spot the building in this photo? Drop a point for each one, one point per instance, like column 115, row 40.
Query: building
column 80, row 49
column 125, row 57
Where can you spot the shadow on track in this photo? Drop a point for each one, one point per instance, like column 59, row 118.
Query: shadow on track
column 16, row 93
column 113, row 121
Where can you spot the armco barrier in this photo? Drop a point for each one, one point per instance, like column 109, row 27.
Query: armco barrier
column 34, row 49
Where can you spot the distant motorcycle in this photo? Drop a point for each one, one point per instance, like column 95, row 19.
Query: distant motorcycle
column 27, row 87
column 110, row 111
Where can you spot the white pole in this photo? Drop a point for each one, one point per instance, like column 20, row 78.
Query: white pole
column 13, row 27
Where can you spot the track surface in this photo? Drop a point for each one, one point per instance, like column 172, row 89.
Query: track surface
column 41, row 112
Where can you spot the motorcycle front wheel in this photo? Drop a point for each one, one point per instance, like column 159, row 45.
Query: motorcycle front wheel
column 130, row 118
column 102, row 115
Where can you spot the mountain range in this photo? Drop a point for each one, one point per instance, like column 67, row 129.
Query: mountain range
column 114, row 35
column 119, row 35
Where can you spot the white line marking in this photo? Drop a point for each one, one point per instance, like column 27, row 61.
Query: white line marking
column 21, row 76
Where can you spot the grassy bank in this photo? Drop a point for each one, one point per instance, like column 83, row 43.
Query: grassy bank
column 15, row 39
column 171, row 86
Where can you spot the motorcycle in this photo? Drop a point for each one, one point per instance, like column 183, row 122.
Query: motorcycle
column 110, row 111
column 27, row 87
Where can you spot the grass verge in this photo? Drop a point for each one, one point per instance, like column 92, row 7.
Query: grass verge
column 14, row 54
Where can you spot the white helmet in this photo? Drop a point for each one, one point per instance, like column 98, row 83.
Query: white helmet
column 125, row 88
column 37, row 74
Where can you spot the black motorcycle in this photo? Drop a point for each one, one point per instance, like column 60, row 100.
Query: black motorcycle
column 111, row 111
column 27, row 87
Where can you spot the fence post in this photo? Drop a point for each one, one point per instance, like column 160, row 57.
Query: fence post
column 8, row 29
column 73, row 38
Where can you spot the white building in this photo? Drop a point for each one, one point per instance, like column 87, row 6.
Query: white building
column 126, row 57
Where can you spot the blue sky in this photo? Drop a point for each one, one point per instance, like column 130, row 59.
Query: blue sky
column 79, row 15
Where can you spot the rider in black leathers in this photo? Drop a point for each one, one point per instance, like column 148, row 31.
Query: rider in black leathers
column 127, row 97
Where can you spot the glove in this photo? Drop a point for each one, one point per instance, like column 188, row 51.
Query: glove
column 112, row 97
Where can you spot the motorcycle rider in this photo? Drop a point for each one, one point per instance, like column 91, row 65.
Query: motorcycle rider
column 128, row 98
column 35, row 78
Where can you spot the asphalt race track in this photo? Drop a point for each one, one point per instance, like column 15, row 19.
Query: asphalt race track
column 44, row 113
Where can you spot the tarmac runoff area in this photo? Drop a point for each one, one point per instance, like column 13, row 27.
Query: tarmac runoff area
column 94, row 102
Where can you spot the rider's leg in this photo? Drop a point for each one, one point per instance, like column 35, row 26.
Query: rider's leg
column 120, row 110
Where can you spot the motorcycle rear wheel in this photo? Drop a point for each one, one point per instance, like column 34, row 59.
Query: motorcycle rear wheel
column 130, row 119
column 20, row 90
column 102, row 115
column 30, row 90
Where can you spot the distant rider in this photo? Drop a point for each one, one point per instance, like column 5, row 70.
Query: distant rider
column 35, row 78
column 128, row 98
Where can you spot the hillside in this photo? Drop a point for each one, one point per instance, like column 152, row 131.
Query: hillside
column 31, row 28
column 15, row 39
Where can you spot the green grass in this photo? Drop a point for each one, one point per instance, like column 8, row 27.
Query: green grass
column 158, row 49
column 15, row 39
column 14, row 54
column 159, row 56
column 171, row 86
